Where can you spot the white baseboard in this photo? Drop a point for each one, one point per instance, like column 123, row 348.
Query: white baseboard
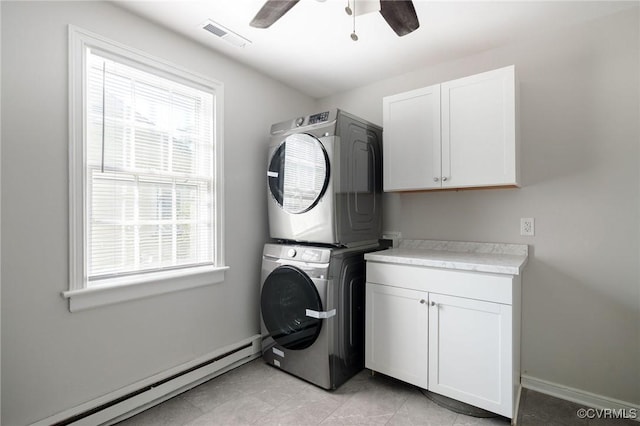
column 251, row 349
column 578, row 396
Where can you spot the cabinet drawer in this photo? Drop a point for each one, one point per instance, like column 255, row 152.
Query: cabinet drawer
column 472, row 285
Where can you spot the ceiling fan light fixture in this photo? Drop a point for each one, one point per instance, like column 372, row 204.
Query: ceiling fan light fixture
column 399, row 14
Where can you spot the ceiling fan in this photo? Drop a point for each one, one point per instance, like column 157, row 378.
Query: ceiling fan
column 399, row 14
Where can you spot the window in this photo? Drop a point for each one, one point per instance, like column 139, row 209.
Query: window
column 145, row 175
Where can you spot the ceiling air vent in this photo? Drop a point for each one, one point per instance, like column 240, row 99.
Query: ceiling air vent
column 224, row 33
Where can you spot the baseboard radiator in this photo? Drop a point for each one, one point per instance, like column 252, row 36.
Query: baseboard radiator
column 133, row 399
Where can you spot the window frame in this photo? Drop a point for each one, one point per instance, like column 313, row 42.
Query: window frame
column 148, row 284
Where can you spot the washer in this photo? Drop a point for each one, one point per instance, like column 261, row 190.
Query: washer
column 324, row 179
column 312, row 311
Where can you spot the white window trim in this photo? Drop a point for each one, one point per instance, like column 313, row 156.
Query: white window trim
column 142, row 285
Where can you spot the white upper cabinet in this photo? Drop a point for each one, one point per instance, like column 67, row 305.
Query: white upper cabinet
column 458, row 134
column 411, row 144
column 478, row 130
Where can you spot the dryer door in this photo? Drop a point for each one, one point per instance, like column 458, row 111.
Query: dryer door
column 287, row 294
column 298, row 173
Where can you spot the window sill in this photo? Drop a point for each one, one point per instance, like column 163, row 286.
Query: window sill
column 122, row 290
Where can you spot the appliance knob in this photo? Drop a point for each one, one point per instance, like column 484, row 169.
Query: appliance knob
column 299, row 121
column 292, row 253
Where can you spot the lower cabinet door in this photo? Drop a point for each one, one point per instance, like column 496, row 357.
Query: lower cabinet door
column 396, row 328
column 470, row 352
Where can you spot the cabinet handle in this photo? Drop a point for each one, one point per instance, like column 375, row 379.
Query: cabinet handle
column 422, row 301
column 433, row 303
column 435, row 179
column 444, row 178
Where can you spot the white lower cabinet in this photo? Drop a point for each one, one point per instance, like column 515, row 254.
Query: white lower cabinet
column 393, row 347
column 452, row 344
column 470, row 351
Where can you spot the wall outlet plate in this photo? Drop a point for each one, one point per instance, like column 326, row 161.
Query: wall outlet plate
column 527, row 226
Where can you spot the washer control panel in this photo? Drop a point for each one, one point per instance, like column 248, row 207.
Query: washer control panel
column 311, row 255
column 300, row 253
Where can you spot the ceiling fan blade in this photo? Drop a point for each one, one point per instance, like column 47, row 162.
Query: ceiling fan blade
column 400, row 15
column 271, row 11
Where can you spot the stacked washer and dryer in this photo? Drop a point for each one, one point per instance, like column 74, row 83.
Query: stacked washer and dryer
column 324, row 181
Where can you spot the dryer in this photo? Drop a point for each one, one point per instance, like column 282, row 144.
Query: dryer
column 312, row 311
column 324, row 179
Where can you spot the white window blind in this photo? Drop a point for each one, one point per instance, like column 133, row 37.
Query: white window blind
column 149, row 176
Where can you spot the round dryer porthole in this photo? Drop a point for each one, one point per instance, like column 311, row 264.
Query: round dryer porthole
column 298, row 173
column 286, row 295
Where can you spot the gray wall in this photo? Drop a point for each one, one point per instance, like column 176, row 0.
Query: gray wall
column 53, row 360
column 579, row 122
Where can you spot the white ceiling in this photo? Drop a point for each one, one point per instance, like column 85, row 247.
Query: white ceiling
column 310, row 47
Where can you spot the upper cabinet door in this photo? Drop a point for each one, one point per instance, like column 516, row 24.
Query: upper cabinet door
column 411, row 142
column 479, row 130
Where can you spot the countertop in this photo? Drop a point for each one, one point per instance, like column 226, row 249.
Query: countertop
column 494, row 258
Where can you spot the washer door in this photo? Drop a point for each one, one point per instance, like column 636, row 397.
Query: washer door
column 298, row 173
column 286, row 295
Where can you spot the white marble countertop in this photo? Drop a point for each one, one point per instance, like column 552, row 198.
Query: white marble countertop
column 480, row 257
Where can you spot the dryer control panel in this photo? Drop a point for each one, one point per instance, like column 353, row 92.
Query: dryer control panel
column 295, row 124
column 319, row 118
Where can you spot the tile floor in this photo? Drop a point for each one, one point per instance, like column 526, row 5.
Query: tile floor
column 256, row 393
